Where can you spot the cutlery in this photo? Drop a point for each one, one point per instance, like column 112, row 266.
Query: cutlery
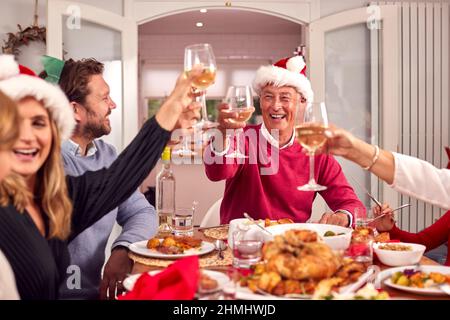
column 220, row 246
column 378, row 203
column 256, row 223
column 399, row 208
column 214, row 227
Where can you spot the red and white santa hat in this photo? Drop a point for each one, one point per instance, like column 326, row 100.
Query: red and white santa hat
column 286, row 72
column 19, row 82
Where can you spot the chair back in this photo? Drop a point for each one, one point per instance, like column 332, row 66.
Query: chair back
column 212, row 216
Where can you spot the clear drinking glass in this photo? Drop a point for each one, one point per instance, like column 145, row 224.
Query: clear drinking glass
column 246, row 249
column 361, row 246
column 194, row 55
column 311, row 124
column 240, row 101
column 183, row 222
column 186, row 149
column 202, row 54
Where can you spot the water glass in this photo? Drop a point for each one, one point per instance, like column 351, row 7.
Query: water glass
column 246, row 248
column 183, row 222
column 361, row 245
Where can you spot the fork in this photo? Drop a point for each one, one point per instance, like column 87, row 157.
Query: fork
column 396, row 209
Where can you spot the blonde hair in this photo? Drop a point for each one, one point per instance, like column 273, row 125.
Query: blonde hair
column 13, row 186
column 9, row 122
column 51, row 190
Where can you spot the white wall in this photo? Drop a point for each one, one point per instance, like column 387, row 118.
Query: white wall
column 329, row 7
column 13, row 12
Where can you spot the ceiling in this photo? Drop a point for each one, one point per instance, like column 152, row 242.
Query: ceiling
column 220, row 21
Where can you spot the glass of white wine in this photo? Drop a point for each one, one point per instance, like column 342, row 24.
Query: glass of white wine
column 202, row 54
column 310, row 132
column 199, row 54
column 240, row 102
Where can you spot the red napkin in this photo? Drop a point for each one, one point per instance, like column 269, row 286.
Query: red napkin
column 179, row 281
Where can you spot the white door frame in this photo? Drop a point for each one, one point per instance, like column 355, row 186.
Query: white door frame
column 56, row 9
column 390, row 57
column 302, row 11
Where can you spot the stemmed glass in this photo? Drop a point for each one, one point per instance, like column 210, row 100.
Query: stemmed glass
column 310, row 131
column 240, row 102
column 199, row 54
column 202, row 54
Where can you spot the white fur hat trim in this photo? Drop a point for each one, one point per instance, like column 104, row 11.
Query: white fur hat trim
column 280, row 77
column 20, row 86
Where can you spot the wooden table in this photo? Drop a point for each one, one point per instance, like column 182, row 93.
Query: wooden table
column 396, row 294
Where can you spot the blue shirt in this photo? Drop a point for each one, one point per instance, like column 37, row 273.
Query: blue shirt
column 136, row 217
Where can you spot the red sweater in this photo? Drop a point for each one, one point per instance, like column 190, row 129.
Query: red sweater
column 276, row 196
column 433, row 236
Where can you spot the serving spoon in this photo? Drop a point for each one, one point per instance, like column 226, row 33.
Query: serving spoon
column 256, row 223
column 220, row 246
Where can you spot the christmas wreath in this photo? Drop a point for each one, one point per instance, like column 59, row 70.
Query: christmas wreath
column 23, row 37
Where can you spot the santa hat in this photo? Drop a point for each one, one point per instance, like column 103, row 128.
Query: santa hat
column 286, row 72
column 19, row 82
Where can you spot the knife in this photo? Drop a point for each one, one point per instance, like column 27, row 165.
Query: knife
column 378, row 203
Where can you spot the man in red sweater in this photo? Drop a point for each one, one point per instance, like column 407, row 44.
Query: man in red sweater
column 265, row 184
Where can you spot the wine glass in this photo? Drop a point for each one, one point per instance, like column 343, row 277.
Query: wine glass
column 202, row 54
column 186, row 149
column 194, row 55
column 310, row 132
column 240, row 102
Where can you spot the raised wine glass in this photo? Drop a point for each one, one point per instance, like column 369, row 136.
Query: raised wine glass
column 240, row 102
column 310, row 132
column 202, row 54
column 199, row 54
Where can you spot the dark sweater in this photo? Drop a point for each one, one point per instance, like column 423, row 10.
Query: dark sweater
column 39, row 264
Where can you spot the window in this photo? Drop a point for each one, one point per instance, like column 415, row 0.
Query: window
column 212, row 105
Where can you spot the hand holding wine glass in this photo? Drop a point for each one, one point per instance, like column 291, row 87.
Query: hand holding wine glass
column 198, row 56
column 310, row 131
column 201, row 54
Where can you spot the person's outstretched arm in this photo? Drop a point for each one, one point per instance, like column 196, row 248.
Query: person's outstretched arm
column 407, row 175
column 95, row 193
column 343, row 143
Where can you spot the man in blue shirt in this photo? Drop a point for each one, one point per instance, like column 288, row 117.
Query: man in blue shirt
column 89, row 95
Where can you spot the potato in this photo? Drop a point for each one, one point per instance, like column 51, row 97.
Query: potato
column 403, row 281
column 153, row 243
column 169, row 242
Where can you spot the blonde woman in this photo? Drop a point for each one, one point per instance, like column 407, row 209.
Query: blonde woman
column 9, row 131
column 34, row 233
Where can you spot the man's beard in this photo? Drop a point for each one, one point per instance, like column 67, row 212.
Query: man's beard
column 95, row 130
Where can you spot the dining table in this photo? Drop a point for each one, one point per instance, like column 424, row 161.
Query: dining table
column 140, row 267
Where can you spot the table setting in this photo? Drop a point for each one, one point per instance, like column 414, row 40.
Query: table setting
column 235, row 265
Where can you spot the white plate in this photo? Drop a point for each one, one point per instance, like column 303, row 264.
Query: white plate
column 245, row 293
column 385, row 276
column 221, row 278
column 338, row 242
column 141, row 248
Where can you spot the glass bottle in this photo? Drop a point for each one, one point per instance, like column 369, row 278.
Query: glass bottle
column 165, row 194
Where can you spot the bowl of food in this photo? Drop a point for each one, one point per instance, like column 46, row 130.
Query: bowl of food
column 396, row 254
column 336, row 237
